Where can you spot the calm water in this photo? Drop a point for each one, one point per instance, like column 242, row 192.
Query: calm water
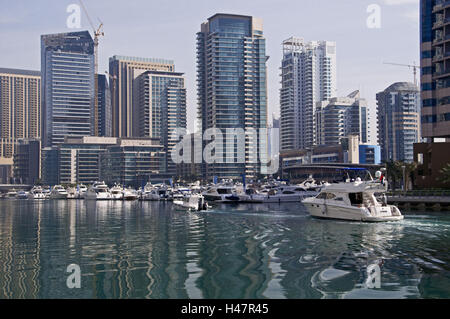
column 153, row 250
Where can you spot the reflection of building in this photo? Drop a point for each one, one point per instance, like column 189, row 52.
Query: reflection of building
column 20, row 109
column 27, row 162
column 67, row 64
column 430, row 159
column 124, row 71
column 398, row 121
column 308, row 76
column 231, row 81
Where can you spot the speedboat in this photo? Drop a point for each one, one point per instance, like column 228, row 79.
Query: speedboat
column 130, row 194
column 193, row 202
column 98, row 191
column 58, row 192
column 354, row 200
column 116, row 192
column 36, row 193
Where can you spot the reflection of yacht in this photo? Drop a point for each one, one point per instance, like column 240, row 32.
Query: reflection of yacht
column 116, row 192
column 58, row 192
column 353, row 200
column 195, row 202
column 99, row 191
column 36, row 193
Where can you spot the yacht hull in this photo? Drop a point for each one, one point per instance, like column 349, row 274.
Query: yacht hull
column 346, row 213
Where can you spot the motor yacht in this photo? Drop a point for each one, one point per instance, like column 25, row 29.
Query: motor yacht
column 71, row 193
column 130, row 194
column 192, row 202
column 98, row 191
column 161, row 192
column 116, row 192
column 58, row 192
column 354, row 200
column 11, row 194
column 36, row 193
column 80, row 191
column 219, row 192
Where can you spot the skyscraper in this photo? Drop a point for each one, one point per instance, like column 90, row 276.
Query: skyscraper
column 104, row 107
column 232, row 88
column 124, row 70
column 67, row 67
column 339, row 117
column 435, row 68
column 161, row 109
column 308, row 76
column 398, row 121
column 20, row 109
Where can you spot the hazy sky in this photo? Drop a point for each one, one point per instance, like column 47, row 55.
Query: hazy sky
column 167, row 29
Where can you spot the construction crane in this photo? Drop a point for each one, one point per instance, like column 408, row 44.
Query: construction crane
column 413, row 66
column 97, row 34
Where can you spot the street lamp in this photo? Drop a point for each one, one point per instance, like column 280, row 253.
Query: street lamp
column 403, row 184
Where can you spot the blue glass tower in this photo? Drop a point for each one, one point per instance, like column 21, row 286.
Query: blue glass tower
column 231, row 81
column 67, row 67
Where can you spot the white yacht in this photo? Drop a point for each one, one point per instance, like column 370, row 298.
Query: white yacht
column 146, row 191
column 11, row 194
column 71, row 192
column 218, row 192
column 98, row 191
column 161, row 192
column 192, row 202
column 58, row 192
column 353, row 200
column 81, row 190
column 130, row 194
column 116, row 192
column 46, row 190
column 36, row 193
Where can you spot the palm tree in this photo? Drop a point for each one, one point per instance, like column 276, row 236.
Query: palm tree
column 445, row 174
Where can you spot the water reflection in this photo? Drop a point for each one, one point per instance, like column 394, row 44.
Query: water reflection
column 151, row 250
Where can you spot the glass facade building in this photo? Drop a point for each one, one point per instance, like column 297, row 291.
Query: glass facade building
column 67, row 67
column 104, row 107
column 435, row 68
column 20, row 109
column 232, row 89
column 308, row 76
column 398, row 121
column 162, row 109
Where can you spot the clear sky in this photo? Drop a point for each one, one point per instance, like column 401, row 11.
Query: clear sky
column 167, row 29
